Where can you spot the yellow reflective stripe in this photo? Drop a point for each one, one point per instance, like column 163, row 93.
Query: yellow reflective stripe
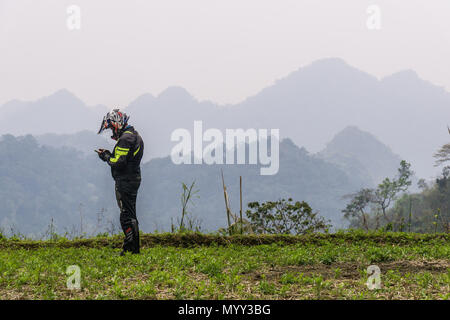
column 134, row 154
column 128, row 132
column 114, row 160
column 118, row 153
column 121, row 152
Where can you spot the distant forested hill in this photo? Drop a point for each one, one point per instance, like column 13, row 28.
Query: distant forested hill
column 40, row 183
column 360, row 153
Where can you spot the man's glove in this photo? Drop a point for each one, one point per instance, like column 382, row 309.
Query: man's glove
column 105, row 155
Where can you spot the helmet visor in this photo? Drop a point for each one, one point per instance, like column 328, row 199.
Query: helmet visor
column 104, row 125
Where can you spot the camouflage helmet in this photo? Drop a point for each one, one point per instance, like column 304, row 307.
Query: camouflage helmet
column 114, row 120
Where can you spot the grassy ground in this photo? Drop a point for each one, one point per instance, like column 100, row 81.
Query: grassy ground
column 240, row 267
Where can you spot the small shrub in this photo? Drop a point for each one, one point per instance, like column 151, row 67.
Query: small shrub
column 284, row 217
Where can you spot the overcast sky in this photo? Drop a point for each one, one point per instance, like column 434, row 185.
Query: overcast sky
column 219, row 50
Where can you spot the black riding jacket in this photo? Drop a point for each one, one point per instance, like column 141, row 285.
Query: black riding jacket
column 126, row 156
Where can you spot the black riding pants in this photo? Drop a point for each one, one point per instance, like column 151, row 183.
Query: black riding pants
column 126, row 193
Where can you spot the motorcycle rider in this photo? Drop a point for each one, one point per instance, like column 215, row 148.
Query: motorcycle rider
column 124, row 161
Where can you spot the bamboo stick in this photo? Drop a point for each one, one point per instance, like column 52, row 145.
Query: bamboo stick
column 240, row 200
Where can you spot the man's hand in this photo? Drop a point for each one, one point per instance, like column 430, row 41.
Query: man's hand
column 103, row 154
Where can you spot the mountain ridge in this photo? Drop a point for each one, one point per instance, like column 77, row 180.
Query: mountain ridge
column 309, row 106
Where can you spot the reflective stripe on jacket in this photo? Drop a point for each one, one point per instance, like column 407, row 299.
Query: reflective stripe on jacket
column 126, row 157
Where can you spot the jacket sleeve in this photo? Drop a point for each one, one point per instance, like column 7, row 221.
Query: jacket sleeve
column 118, row 158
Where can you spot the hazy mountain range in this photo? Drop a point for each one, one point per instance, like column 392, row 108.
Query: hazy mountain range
column 309, row 106
column 56, row 177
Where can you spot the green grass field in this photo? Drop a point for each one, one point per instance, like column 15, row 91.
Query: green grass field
column 195, row 266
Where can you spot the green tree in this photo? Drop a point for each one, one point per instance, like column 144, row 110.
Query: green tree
column 387, row 191
column 379, row 200
column 429, row 210
column 356, row 209
column 443, row 154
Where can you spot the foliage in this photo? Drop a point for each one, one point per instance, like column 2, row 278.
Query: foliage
column 443, row 154
column 378, row 201
column 357, row 206
column 427, row 211
column 387, row 191
column 284, row 217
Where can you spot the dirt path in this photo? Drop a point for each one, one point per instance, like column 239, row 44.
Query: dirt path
column 350, row 270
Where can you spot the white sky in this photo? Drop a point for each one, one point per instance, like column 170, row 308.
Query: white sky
column 219, row 50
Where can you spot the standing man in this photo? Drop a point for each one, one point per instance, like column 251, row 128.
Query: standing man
column 125, row 168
